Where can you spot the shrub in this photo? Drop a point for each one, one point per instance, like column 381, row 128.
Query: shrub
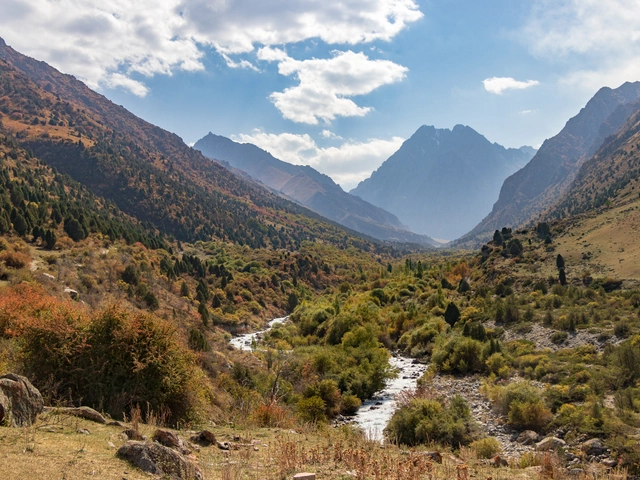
column 523, row 405
column 112, row 361
column 621, row 329
column 559, row 337
column 529, row 415
column 350, row 404
column 311, row 410
column 424, row 421
column 14, row 259
column 459, row 355
column 486, row 447
column 271, row 416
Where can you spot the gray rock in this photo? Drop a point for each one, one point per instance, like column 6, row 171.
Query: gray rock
column 82, row 412
column 593, row 447
column 159, row 460
column 610, row 462
column 20, row 401
column 550, row 443
column 528, row 437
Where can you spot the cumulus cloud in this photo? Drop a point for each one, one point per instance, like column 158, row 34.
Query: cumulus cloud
column 499, row 85
column 602, row 37
column 348, row 164
column 109, row 43
column 325, row 84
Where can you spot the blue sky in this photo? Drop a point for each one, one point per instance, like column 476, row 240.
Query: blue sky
column 338, row 85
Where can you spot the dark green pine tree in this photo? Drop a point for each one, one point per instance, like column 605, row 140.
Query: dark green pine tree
column 497, row 238
column 452, row 314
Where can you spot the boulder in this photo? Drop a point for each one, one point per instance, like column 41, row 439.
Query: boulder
column 167, row 438
column 528, row 437
column 20, row 401
column 171, row 440
column 204, row 438
column 593, row 446
column 550, row 443
column 83, row 412
column 159, row 460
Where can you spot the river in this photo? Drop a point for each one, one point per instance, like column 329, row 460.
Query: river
column 374, row 414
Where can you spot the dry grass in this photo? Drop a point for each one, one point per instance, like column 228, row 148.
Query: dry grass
column 54, row 449
column 607, row 243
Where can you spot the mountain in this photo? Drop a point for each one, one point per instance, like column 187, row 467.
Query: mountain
column 550, row 172
column 609, row 175
column 441, row 182
column 148, row 173
column 310, row 188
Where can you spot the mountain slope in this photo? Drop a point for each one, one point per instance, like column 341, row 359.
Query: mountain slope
column 550, row 172
column 310, row 188
column 441, row 182
column 147, row 172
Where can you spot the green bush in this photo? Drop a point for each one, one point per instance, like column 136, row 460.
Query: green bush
column 522, row 403
column 459, row 355
column 529, row 415
column 350, row 404
column 312, row 410
column 558, row 338
column 426, row 421
column 486, row 447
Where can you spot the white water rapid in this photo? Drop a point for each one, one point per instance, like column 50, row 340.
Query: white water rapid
column 374, row 414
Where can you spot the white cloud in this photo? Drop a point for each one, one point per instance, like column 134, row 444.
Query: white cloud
column 528, row 112
column 601, row 38
column 348, row 164
column 499, row 85
column 241, row 64
column 105, row 43
column 330, row 134
column 289, row 147
column 325, row 84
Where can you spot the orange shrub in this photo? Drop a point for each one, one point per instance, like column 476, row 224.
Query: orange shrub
column 272, row 416
column 15, row 259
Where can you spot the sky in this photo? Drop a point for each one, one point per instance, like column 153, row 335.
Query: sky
column 337, row 85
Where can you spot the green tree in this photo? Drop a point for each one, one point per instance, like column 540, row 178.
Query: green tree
column 20, row 225
column 562, row 277
column 559, row 262
column 497, row 238
column 74, row 230
column 184, row 289
column 204, row 313
column 292, row 301
column 452, row 314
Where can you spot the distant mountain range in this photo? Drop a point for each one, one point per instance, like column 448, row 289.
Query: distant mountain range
column 310, row 188
column 549, row 174
column 441, row 182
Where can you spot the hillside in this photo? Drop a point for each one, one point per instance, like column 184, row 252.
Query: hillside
column 310, row 188
column 441, row 182
column 550, row 172
column 147, row 172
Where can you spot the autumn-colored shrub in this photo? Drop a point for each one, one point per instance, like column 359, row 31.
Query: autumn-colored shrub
column 112, row 360
column 272, row 416
column 14, row 259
